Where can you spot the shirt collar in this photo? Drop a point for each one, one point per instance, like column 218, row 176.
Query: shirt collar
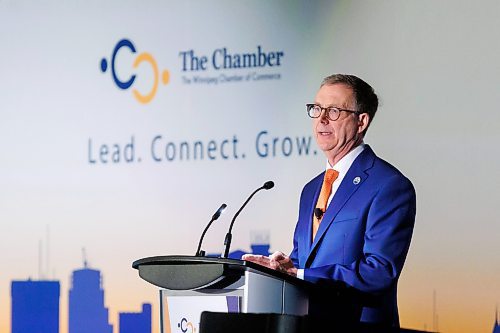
column 345, row 162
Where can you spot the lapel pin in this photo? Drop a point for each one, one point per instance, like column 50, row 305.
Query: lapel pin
column 356, row 180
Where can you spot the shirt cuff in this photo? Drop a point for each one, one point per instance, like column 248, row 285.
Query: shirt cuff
column 300, row 274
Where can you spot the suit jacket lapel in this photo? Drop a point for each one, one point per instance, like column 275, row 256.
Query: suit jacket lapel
column 350, row 184
column 305, row 243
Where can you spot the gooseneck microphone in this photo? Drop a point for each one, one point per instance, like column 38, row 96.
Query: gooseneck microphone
column 199, row 251
column 227, row 241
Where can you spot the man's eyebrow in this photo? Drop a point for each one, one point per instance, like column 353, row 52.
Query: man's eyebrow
column 330, row 106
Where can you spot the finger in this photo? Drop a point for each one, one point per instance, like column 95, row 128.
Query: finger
column 258, row 259
column 284, row 259
column 247, row 256
column 277, row 255
column 251, row 257
column 274, row 265
column 286, row 263
column 255, row 256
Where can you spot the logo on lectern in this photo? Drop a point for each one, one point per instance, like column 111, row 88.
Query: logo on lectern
column 186, row 326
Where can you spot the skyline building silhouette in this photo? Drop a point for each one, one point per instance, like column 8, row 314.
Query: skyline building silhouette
column 259, row 244
column 87, row 312
column 136, row 322
column 35, row 306
column 496, row 326
column 262, row 249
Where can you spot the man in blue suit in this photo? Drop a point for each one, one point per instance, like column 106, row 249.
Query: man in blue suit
column 355, row 219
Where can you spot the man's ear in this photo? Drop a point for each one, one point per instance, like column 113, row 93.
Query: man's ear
column 363, row 122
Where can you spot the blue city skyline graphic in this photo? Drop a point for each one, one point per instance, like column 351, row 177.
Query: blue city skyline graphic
column 36, row 303
column 36, row 307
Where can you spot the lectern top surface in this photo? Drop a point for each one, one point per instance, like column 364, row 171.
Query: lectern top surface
column 222, row 265
column 191, row 272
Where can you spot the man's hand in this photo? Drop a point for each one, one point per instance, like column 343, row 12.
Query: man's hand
column 277, row 261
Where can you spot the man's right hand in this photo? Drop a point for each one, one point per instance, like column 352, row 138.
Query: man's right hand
column 277, row 261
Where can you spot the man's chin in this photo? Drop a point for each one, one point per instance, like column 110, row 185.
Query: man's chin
column 325, row 146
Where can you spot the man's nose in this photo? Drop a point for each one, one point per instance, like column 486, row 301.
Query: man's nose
column 323, row 117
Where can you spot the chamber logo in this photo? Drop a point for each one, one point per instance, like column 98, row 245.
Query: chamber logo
column 186, row 326
column 144, row 57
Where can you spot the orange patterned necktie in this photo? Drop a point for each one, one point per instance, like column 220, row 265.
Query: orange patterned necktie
column 326, row 190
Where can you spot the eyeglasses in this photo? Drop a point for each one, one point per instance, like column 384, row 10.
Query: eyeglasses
column 333, row 113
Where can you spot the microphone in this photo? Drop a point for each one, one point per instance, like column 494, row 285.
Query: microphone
column 227, row 241
column 318, row 212
column 199, row 251
column 268, row 185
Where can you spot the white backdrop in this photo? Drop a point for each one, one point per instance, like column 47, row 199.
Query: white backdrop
column 434, row 65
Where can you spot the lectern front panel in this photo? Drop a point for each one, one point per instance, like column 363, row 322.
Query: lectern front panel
column 262, row 294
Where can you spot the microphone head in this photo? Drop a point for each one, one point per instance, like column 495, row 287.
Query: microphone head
column 268, row 185
column 219, row 211
column 318, row 212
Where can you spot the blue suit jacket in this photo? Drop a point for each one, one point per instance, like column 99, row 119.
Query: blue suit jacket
column 364, row 236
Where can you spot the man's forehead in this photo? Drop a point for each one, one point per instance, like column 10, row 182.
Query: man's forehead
column 335, row 94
